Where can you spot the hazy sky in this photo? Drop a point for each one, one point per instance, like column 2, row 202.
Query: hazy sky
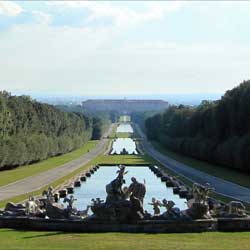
column 124, row 47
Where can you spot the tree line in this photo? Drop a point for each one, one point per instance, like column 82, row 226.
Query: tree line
column 101, row 120
column 215, row 131
column 31, row 131
column 139, row 117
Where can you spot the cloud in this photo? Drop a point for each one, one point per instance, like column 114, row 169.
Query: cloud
column 82, row 14
column 42, row 18
column 121, row 15
column 9, row 8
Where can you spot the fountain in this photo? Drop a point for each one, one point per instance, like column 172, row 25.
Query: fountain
column 123, row 211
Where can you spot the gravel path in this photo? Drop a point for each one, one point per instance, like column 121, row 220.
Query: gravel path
column 220, row 186
column 35, row 182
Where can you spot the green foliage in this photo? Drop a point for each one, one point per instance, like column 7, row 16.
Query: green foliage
column 97, row 128
column 100, row 120
column 140, row 117
column 31, row 131
column 217, row 132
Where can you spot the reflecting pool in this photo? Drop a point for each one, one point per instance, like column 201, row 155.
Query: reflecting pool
column 94, row 187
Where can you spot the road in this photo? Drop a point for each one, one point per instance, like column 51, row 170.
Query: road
column 36, row 182
column 220, row 186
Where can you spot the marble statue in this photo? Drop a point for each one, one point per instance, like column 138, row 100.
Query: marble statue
column 122, row 203
column 198, row 207
column 84, row 213
column 171, row 211
column 137, row 189
column 200, row 193
column 32, row 206
column 232, row 209
column 96, row 201
column 70, row 200
column 124, row 152
column 114, row 188
column 156, row 206
column 236, row 208
column 12, row 209
column 49, row 195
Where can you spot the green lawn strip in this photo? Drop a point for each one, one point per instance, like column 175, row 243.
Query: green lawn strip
column 13, row 175
column 124, row 118
column 124, row 159
column 218, row 171
column 124, row 135
column 121, row 135
column 30, row 240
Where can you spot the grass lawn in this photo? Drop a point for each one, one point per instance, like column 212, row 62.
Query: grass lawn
column 124, row 135
column 124, row 159
column 13, row 175
column 219, row 171
column 25, row 240
column 124, row 118
column 121, row 135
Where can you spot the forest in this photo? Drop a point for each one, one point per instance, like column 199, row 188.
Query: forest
column 31, row 131
column 215, row 131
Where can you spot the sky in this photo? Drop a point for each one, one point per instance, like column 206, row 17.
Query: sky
column 123, row 48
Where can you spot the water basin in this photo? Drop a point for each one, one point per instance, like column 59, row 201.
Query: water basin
column 94, row 187
column 124, row 128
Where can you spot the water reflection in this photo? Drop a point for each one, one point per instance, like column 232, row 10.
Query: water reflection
column 95, row 187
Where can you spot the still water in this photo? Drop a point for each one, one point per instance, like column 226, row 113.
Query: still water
column 124, row 128
column 94, row 187
column 120, row 143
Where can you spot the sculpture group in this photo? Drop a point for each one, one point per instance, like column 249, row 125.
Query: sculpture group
column 124, row 204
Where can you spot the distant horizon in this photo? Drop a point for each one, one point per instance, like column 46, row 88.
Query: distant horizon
column 172, row 98
column 118, row 95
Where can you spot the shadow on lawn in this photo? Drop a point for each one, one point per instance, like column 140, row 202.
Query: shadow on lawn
column 43, row 235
